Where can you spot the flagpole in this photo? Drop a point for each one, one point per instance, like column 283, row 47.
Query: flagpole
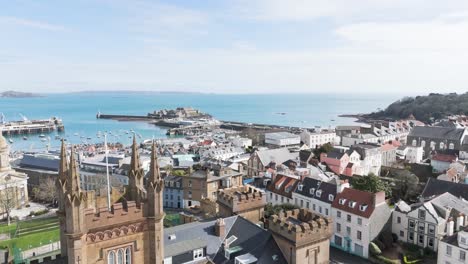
column 107, row 174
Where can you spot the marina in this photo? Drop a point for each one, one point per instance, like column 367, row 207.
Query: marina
column 27, row 126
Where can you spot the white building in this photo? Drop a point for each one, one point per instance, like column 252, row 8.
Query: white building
column 241, row 142
column 318, row 137
column 222, row 152
column 282, row 139
column 453, row 248
column 412, row 154
column 315, row 195
column 359, row 217
column 425, row 224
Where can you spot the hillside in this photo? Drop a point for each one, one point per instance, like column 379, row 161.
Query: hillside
column 424, row 108
column 15, row 94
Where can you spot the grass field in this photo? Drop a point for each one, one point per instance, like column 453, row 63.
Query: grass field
column 31, row 233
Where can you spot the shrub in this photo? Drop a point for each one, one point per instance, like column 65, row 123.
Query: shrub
column 374, row 249
column 380, row 244
column 385, row 260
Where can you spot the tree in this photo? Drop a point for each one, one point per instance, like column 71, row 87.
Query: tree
column 371, row 183
column 7, row 197
column 406, row 184
column 275, row 209
column 46, row 191
column 325, row 148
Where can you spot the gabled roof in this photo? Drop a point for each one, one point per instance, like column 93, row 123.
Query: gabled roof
column 335, row 154
column 437, row 132
column 253, row 240
column 278, row 155
column 436, row 187
column 363, row 198
column 326, row 188
column 193, row 233
column 286, row 184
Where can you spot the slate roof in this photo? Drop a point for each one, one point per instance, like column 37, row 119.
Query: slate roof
column 436, row 187
column 437, row 132
column 204, row 231
column 278, row 155
column 43, row 162
column 326, row 188
column 252, row 240
column 336, row 154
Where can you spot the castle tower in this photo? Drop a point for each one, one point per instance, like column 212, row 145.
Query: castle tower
column 302, row 236
column 74, row 205
column 154, row 210
column 135, row 176
column 61, row 193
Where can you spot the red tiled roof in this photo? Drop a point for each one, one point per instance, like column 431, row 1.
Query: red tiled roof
column 360, row 197
column 444, row 157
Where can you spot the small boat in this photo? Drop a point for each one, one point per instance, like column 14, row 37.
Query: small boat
column 10, row 140
column 88, row 138
column 43, row 139
column 42, row 136
column 281, row 113
column 76, row 134
column 25, row 138
column 333, row 120
column 57, row 137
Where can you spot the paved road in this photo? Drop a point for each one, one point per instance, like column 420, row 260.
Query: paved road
column 340, row 257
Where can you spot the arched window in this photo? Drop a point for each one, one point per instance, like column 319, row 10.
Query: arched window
column 423, row 143
column 415, row 142
column 111, row 257
column 441, row 145
column 120, row 256
column 128, row 255
column 451, row 146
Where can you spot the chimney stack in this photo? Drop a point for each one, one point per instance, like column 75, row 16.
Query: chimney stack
column 220, row 228
column 450, row 226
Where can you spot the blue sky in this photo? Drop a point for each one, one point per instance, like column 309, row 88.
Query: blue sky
column 238, row 46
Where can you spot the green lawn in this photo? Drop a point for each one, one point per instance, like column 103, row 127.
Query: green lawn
column 32, row 233
column 32, row 240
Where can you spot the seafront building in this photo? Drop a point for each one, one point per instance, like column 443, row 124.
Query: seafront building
column 13, row 184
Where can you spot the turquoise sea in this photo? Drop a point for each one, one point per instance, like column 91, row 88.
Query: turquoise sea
column 78, row 111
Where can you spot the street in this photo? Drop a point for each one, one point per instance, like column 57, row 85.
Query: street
column 338, row 257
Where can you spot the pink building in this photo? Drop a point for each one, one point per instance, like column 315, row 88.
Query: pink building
column 336, row 160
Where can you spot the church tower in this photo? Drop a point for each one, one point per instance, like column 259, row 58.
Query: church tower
column 135, row 176
column 74, row 204
column 61, row 192
column 154, row 210
column 4, row 154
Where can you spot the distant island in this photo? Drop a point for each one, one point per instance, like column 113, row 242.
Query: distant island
column 15, row 94
column 428, row 108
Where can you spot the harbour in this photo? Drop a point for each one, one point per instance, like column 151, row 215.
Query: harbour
column 27, row 126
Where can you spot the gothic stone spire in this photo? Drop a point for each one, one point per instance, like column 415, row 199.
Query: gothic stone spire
column 135, row 175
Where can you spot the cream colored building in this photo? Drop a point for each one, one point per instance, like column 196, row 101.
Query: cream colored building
column 12, row 183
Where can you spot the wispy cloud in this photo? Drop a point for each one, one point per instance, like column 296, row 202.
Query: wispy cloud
column 8, row 20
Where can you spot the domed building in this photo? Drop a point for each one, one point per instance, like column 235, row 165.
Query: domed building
column 13, row 184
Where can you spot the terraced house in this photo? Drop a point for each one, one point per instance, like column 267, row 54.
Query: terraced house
column 359, row 218
column 425, row 224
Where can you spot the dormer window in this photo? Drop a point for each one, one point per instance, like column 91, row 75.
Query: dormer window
column 352, row 204
column 312, row 191
column 299, row 187
column 331, row 197
column 318, row 193
column 363, row 207
column 342, row 201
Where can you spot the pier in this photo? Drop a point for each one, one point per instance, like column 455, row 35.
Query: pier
column 31, row 126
